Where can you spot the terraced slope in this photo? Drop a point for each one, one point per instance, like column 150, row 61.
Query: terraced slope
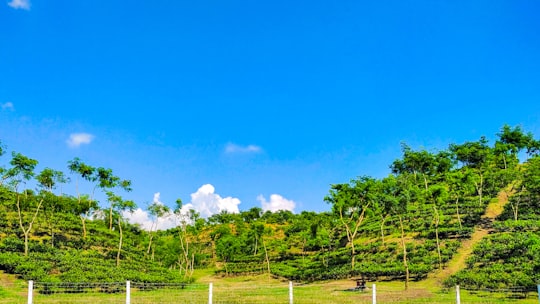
column 494, row 209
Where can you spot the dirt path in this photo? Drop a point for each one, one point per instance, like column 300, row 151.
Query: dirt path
column 494, row 209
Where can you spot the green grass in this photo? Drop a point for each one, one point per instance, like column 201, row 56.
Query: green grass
column 265, row 289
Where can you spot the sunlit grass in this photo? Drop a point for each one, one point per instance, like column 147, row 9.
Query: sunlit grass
column 266, row 289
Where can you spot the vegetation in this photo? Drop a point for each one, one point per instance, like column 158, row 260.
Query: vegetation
column 403, row 227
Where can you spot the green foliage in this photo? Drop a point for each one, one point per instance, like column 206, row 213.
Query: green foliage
column 438, row 199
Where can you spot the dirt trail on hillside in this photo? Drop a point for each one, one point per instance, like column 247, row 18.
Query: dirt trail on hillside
column 494, row 209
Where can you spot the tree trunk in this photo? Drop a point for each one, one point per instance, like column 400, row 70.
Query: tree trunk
column 266, row 256
column 405, row 264
column 256, row 245
column 304, row 253
column 119, row 244
column 351, row 235
column 83, row 221
column 110, row 217
column 26, row 232
column 383, row 220
column 457, row 213
column 149, row 243
column 25, row 243
column 515, row 208
column 437, row 219
column 350, row 239
column 479, row 189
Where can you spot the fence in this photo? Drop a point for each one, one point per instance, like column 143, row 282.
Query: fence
column 142, row 293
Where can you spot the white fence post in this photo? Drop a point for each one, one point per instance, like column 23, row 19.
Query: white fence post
column 30, row 292
column 128, row 292
column 458, row 295
column 210, row 294
column 374, row 294
column 290, row 292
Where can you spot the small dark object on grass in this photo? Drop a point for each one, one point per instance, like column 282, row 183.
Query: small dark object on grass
column 360, row 286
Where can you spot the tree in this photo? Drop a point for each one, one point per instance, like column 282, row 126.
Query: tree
column 118, row 206
column 86, row 203
column 107, row 181
column 157, row 210
column 404, row 194
column 396, row 192
column 48, row 179
column 252, row 214
column 225, row 244
column 386, row 200
column 459, row 186
column 437, row 194
column 186, row 260
column 422, row 162
column 474, row 155
column 21, row 171
column 514, row 140
column 350, row 203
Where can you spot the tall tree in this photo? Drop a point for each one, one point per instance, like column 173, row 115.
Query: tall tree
column 459, row 186
column 514, row 140
column 186, row 259
column 86, row 202
column 428, row 165
column 437, row 194
column 20, row 172
column 118, row 207
column 108, row 181
column 475, row 156
column 350, row 202
column 386, row 200
column 48, row 179
column 404, row 194
column 156, row 210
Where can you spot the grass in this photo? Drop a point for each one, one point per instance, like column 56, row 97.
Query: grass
column 265, row 289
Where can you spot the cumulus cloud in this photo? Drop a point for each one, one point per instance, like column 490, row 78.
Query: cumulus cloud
column 77, row 139
column 234, row 148
column 143, row 218
column 207, row 202
column 20, row 4
column 277, row 202
column 7, row 106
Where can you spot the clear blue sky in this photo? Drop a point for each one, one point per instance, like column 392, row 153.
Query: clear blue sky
column 260, row 97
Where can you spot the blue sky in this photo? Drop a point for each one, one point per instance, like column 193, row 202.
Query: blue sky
column 240, row 103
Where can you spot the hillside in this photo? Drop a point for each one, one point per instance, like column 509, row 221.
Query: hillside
column 467, row 215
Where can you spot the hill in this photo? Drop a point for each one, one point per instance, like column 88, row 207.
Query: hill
column 466, row 215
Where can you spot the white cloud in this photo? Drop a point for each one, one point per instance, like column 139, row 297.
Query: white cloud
column 233, row 148
column 77, row 139
column 7, row 106
column 277, row 202
column 143, row 218
column 207, row 203
column 20, row 4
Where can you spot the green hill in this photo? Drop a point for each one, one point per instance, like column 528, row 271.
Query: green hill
column 466, row 215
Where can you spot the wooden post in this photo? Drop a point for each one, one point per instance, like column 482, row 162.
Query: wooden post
column 374, row 294
column 458, row 296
